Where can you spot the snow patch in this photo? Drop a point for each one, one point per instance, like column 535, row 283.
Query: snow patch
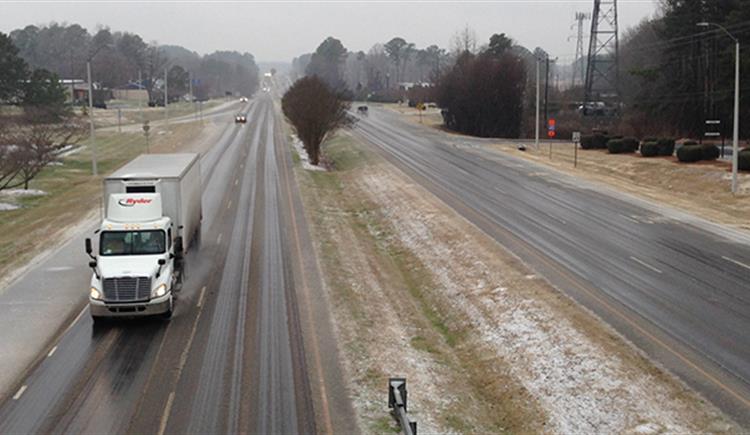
column 4, row 206
column 303, row 155
column 15, row 193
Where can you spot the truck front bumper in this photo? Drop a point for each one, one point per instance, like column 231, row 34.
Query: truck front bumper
column 146, row 308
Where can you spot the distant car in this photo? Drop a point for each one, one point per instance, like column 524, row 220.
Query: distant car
column 243, row 99
column 362, row 110
column 240, row 118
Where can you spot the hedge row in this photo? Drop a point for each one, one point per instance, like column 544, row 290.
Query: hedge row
column 597, row 141
column 652, row 147
column 744, row 159
column 692, row 152
column 625, row 145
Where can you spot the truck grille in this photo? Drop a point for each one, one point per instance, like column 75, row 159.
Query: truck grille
column 127, row 289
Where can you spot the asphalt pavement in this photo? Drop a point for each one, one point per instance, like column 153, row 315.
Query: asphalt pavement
column 676, row 286
column 233, row 357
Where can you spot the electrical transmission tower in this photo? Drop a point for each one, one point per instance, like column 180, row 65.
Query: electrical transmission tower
column 602, row 72
column 579, row 69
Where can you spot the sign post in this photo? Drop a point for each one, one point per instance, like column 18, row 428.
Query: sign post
column 146, row 128
column 576, row 141
column 713, row 129
column 551, row 133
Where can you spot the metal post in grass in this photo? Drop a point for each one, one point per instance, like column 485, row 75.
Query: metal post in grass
column 736, row 127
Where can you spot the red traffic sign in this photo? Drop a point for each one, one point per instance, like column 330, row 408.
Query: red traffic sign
column 552, row 122
column 551, row 133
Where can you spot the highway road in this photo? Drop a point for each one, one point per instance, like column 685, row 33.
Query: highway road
column 677, row 287
column 242, row 352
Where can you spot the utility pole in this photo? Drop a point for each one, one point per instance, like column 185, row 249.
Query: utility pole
column 536, row 124
column 190, row 86
column 140, row 95
column 546, row 89
column 166, row 98
column 92, row 133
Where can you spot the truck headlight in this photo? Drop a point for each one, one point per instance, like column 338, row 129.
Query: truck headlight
column 94, row 293
column 159, row 291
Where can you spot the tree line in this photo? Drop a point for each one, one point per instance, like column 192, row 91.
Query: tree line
column 117, row 59
column 676, row 75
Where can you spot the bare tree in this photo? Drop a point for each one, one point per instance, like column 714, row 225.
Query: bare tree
column 315, row 112
column 464, row 41
column 27, row 147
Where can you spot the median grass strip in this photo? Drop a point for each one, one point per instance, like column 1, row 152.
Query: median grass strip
column 72, row 193
column 390, row 320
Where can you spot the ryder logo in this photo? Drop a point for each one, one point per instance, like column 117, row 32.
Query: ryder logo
column 130, row 202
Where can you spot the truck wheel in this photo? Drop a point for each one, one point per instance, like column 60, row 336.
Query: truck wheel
column 168, row 314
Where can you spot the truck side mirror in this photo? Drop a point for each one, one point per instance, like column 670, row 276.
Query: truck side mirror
column 89, row 250
column 92, row 264
column 161, row 262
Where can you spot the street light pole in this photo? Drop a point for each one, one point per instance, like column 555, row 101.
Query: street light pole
column 536, row 124
column 736, row 132
column 94, row 168
column 736, row 126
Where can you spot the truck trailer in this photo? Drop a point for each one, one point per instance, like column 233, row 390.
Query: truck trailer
column 151, row 216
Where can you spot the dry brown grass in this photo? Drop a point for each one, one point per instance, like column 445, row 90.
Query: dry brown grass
column 72, row 194
column 700, row 188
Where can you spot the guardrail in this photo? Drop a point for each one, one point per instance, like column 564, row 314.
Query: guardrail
column 397, row 405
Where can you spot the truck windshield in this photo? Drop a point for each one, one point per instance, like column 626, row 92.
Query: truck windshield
column 132, row 242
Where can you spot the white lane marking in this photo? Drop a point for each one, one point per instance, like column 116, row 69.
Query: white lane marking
column 736, row 262
column 645, row 264
column 555, row 218
column 59, row 268
column 229, row 204
column 78, row 317
column 629, row 218
column 200, row 298
column 218, row 239
column 501, row 190
column 19, row 393
column 165, row 416
column 51, row 352
column 236, row 180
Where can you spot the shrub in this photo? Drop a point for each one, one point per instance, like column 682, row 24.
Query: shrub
column 710, row 152
column 630, row 144
column 665, row 146
column 743, row 159
column 649, row 139
column 587, row 142
column 650, row 149
column 690, row 142
column 690, row 153
column 599, row 141
column 616, row 146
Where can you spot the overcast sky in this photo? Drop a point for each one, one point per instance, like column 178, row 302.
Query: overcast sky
column 279, row 31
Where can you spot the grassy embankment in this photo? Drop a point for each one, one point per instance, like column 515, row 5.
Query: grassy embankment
column 71, row 193
column 369, row 272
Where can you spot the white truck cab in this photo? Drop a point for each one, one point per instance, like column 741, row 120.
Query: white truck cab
column 152, row 214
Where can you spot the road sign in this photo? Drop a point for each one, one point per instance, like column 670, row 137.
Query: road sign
column 576, row 141
column 551, row 133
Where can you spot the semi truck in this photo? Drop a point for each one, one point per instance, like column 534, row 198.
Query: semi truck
column 151, row 215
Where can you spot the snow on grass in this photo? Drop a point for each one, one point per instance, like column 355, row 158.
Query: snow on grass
column 582, row 385
column 303, row 155
column 4, row 206
column 15, row 193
